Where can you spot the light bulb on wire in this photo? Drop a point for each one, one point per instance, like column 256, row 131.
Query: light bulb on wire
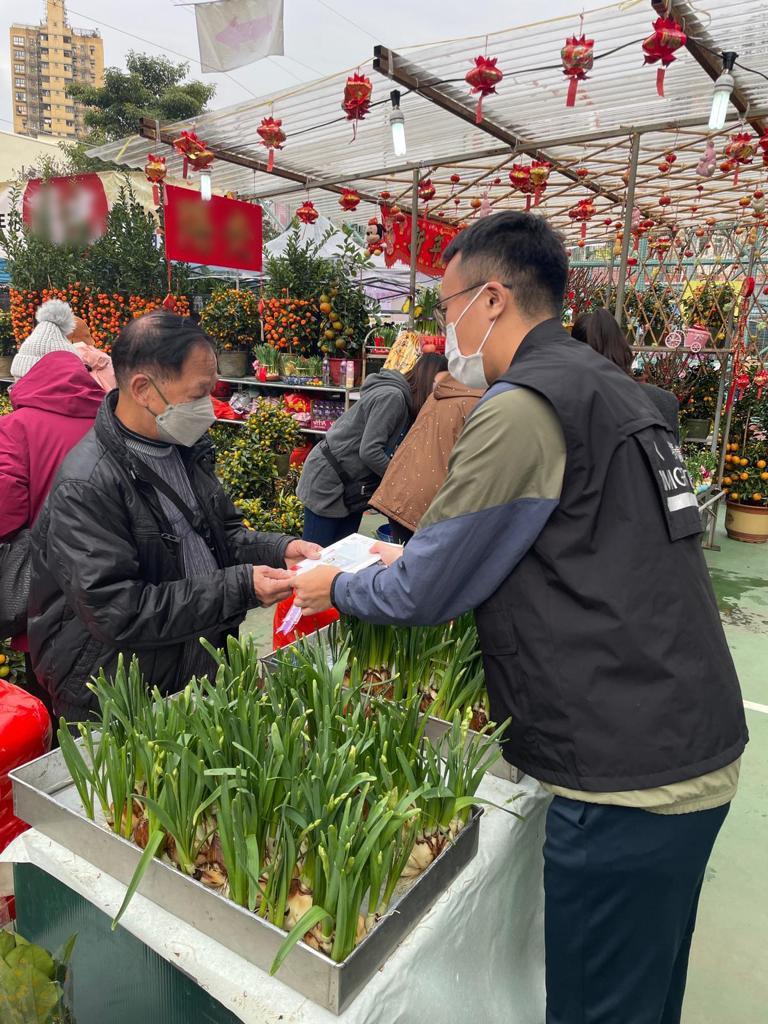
column 205, row 186
column 721, row 95
column 397, row 124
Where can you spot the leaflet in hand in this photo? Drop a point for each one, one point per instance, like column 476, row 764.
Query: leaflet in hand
column 351, row 554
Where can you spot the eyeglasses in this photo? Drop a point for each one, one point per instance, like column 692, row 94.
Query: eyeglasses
column 440, row 311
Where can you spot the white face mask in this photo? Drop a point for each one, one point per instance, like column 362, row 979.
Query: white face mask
column 186, row 422
column 467, row 370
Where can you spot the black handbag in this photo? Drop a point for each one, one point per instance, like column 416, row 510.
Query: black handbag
column 15, row 575
column 357, row 493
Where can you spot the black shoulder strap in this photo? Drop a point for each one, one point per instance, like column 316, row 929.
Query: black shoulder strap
column 195, row 519
column 334, row 463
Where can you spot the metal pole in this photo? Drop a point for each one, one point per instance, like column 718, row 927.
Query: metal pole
column 634, row 155
column 414, row 242
column 720, row 402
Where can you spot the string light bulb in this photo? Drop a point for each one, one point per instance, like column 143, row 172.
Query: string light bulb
column 721, row 94
column 397, row 124
column 205, row 186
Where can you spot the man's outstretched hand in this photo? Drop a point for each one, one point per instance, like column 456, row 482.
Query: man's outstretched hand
column 313, row 589
column 298, row 550
column 388, row 553
column 272, row 585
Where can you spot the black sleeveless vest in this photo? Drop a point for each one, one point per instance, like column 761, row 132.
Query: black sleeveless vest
column 604, row 645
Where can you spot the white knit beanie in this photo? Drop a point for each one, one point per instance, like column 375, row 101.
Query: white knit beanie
column 55, row 320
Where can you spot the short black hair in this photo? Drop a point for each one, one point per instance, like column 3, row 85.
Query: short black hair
column 600, row 331
column 519, row 250
column 158, row 342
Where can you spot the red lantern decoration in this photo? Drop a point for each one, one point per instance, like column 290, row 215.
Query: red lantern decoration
column 607, row 222
column 194, row 151
column 483, row 77
column 155, row 171
column 349, row 199
column 520, row 179
column 664, row 167
column 739, row 151
column 538, row 174
column 357, row 99
column 760, row 381
column 385, row 196
column 664, row 200
column 577, row 58
column 272, row 136
column 582, row 212
column 670, row 157
column 307, row 213
column 426, row 190
column 666, row 37
column 582, row 172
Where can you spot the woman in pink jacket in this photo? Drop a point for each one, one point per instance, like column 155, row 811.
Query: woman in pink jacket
column 55, row 404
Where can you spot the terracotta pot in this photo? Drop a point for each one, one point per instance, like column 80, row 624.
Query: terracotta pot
column 5, row 366
column 748, row 523
column 233, row 364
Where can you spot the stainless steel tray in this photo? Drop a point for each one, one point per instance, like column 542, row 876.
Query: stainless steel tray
column 45, row 797
column 436, row 727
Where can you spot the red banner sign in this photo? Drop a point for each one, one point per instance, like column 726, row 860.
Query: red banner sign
column 219, row 233
column 432, row 239
column 69, row 211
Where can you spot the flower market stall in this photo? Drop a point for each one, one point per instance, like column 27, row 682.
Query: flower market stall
column 305, row 816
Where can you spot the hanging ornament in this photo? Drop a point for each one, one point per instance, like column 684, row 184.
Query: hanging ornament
column 520, row 179
column 485, row 207
column 357, row 99
column 385, row 196
column 726, row 166
column 664, row 200
column 475, row 203
column 497, row 181
column 455, row 179
column 272, row 136
column 195, row 152
column 760, row 381
column 666, row 37
column 582, row 212
column 705, row 168
column 155, row 171
column 538, row 174
column 700, row 232
column 483, row 77
column 582, row 172
column 688, row 253
column 349, row 199
column 740, row 151
column 307, row 213
column 607, row 222
column 577, row 58
column 664, row 167
column 741, row 385
column 426, row 190
column 670, row 157
column 744, row 201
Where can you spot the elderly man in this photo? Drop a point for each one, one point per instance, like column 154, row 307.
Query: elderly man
column 138, row 549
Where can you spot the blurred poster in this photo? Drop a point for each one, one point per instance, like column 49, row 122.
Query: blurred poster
column 232, row 33
column 220, row 233
column 68, row 211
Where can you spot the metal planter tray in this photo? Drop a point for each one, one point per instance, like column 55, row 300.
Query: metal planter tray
column 436, row 727
column 45, row 797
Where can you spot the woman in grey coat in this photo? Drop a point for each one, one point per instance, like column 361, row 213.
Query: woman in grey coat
column 350, row 462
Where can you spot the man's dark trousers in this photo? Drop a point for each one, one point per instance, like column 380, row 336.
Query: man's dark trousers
column 621, row 888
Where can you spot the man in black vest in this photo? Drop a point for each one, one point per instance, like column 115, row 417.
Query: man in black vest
column 568, row 523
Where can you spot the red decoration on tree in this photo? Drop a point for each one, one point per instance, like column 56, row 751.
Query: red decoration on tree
column 538, row 173
column 483, row 77
column 307, row 213
column 426, row 190
column 194, row 151
column 760, row 381
column 577, row 58
column 155, row 170
column 357, row 99
column 666, row 37
column 349, row 199
column 272, row 136
column 582, row 211
column 739, row 151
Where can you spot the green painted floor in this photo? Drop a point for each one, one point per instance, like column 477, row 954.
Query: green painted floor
column 728, row 981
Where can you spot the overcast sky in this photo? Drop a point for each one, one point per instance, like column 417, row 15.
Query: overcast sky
column 317, row 40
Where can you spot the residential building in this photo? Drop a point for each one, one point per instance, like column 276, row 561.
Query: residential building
column 43, row 59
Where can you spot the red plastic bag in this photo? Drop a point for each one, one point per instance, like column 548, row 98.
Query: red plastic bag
column 306, row 624
column 299, row 455
column 25, row 733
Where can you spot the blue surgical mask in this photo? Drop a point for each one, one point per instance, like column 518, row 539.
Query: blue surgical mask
column 467, row 370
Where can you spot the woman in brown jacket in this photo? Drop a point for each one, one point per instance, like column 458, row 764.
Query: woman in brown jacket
column 420, row 465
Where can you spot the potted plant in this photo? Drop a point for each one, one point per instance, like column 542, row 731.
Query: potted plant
column 267, row 363
column 745, row 482
column 702, row 467
column 260, row 455
column 698, row 398
column 7, row 344
column 231, row 319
